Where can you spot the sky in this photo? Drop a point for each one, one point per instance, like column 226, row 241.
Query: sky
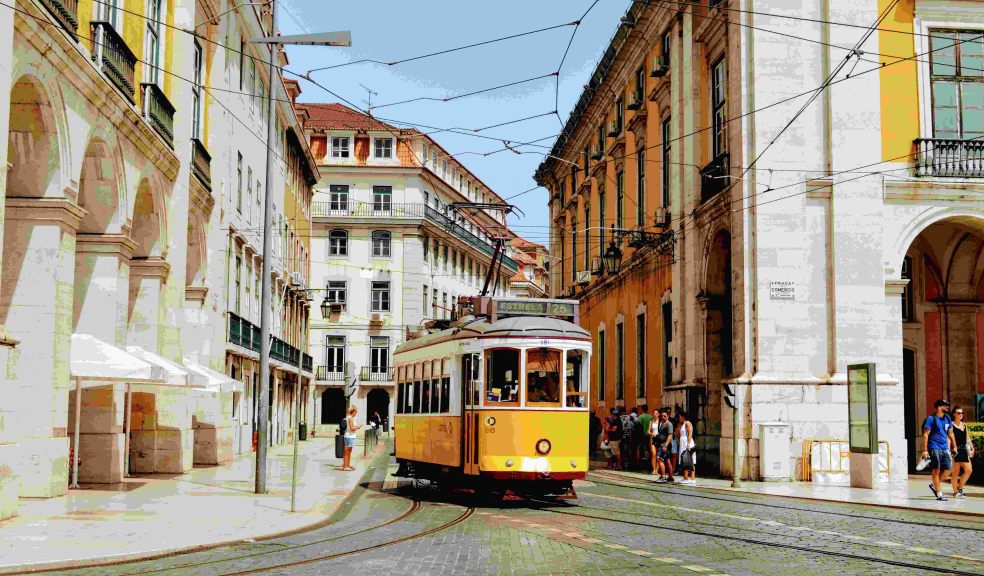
column 389, row 30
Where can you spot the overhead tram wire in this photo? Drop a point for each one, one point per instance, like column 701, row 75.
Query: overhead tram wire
column 467, row 94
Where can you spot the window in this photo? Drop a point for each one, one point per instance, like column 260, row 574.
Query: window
column 425, row 156
column 667, row 342
column 196, row 93
column 426, row 293
column 249, row 189
column 543, row 377
column 335, row 356
column 573, row 179
column 454, row 262
column 562, row 192
column 445, row 258
column 383, row 147
column 239, row 280
column 619, row 361
column 641, row 356
column 381, row 243
column 249, row 291
column 108, row 11
column 242, row 62
column 433, row 160
column 641, row 188
column 259, row 196
column 563, row 259
column 667, row 142
column 640, row 85
column 434, row 303
column 908, row 312
column 152, row 41
column 601, row 139
column 574, row 251
column 382, row 198
column 602, row 366
column 587, row 237
column 378, row 357
column 719, row 112
column 957, row 74
column 577, row 395
column 586, row 157
column 339, row 147
column 336, row 292
column 251, row 88
column 444, row 305
column 338, row 243
column 445, row 395
column 380, row 297
column 502, row 377
column 338, row 197
column 620, row 200
column 619, row 113
column 601, row 220
column 667, row 43
column 239, row 182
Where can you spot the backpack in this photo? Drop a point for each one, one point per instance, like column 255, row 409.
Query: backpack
column 626, row 425
column 343, row 427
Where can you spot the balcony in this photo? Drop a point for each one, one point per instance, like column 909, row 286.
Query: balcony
column 113, row 57
column 331, row 373
column 66, row 12
column 950, row 158
column 376, row 374
column 714, row 177
column 201, row 163
column 158, row 111
column 243, row 333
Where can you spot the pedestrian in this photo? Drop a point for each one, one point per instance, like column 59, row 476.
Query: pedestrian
column 350, row 429
column 376, row 420
column 962, row 468
column 662, row 439
column 644, row 447
column 625, row 447
column 938, row 440
column 687, row 447
column 614, row 431
column 594, row 434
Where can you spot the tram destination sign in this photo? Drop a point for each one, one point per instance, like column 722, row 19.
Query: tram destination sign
column 536, row 307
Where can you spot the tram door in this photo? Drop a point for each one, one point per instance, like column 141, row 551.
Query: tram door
column 469, row 374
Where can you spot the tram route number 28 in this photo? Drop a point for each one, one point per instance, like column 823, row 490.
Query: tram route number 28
column 490, row 424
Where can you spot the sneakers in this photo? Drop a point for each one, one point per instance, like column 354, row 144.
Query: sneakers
column 960, row 494
column 933, row 490
column 660, row 480
column 941, row 497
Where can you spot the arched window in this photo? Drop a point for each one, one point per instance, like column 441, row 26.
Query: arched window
column 381, row 243
column 338, row 243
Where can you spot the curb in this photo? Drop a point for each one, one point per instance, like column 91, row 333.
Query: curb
column 728, row 490
column 117, row 560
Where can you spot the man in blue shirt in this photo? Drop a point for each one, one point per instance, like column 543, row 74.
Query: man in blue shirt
column 938, row 440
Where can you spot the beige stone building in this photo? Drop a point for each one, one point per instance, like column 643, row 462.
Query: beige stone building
column 126, row 148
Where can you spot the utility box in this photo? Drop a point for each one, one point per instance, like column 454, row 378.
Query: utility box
column 774, row 451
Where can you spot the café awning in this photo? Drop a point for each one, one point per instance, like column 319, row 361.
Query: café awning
column 208, row 379
column 173, row 373
column 92, row 360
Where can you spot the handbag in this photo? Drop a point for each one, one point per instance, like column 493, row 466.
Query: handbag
column 604, row 445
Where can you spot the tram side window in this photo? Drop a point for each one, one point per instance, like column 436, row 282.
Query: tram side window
column 445, row 395
column 542, row 377
column 401, row 391
column 415, row 398
column 425, row 401
column 576, row 379
column 502, row 377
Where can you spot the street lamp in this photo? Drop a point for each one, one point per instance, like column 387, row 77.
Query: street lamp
column 325, row 307
column 613, row 258
column 263, row 404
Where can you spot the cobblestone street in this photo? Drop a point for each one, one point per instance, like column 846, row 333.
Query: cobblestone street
column 617, row 525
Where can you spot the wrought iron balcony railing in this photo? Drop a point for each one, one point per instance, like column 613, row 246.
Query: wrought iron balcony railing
column 331, row 373
column 307, row 364
column 158, row 111
column 243, row 333
column 376, row 374
column 714, row 177
column 113, row 57
column 950, row 158
column 66, row 12
column 201, row 163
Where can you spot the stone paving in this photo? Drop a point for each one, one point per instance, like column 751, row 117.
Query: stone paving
column 617, row 525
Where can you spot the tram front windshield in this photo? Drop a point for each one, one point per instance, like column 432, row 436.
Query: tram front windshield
column 542, row 377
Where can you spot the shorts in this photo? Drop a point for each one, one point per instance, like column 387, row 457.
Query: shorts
column 614, row 448
column 662, row 453
column 349, row 442
column 962, row 456
column 940, row 460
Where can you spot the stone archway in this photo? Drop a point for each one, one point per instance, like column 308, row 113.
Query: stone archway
column 942, row 315
column 715, row 300
column 378, row 400
column 32, row 143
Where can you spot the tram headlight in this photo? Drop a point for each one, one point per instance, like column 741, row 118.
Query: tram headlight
column 573, row 464
column 543, row 446
column 509, row 463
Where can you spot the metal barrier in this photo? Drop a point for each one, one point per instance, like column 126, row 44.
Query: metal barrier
column 370, row 436
column 834, row 458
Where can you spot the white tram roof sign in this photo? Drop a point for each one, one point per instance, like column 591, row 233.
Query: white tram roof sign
column 555, row 308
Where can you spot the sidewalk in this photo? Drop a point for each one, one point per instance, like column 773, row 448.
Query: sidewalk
column 149, row 515
column 912, row 494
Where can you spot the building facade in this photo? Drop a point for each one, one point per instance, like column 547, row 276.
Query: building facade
column 532, row 280
column 811, row 233
column 119, row 129
column 389, row 252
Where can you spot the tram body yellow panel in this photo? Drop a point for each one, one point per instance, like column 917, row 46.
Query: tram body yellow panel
column 421, row 438
column 404, row 437
column 445, row 440
column 514, row 435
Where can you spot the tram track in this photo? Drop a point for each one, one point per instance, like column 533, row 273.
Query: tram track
column 719, row 495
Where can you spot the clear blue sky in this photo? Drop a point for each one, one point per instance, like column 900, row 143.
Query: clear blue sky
column 392, row 30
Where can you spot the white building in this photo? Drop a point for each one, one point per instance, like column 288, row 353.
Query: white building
column 387, row 249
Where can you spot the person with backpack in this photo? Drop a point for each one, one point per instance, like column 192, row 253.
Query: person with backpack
column 613, row 428
column 626, row 445
column 938, row 440
column 348, row 429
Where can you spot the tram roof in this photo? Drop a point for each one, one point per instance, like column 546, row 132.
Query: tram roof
column 515, row 326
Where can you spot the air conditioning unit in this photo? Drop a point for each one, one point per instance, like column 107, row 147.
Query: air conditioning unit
column 614, row 129
column 596, row 265
column 596, row 152
column 583, row 277
column 296, row 279
column 661, row 66
column 662, row 217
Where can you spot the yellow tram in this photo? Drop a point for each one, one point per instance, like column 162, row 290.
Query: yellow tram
column 498, row 400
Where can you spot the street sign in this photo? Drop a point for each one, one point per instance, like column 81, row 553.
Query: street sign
column 862, row 408
column 782, row 290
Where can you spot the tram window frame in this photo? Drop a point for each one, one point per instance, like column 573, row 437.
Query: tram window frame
column 417, row 393
column 490, row 366
column 435, row 406
column 425, row 396
column 445, row 395
column 581, row 373
column 401, row 395
column 559, row 384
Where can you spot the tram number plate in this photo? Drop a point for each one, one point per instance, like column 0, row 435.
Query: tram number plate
column 490, row 424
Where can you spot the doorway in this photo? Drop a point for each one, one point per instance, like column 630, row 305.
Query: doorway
column 912, row 431
column 332, row 406
column 378, row 400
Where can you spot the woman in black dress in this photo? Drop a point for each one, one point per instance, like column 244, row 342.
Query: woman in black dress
column 962, row 468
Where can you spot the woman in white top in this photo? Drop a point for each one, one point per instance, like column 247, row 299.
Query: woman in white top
column 685, row 443
column 350, row 429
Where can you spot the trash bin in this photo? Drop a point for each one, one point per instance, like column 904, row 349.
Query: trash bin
column 339, row 446
column 302, row 430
